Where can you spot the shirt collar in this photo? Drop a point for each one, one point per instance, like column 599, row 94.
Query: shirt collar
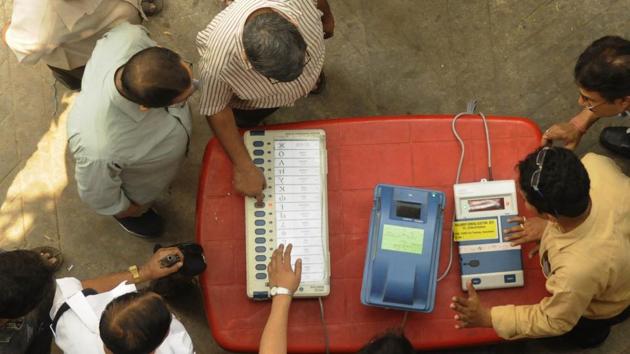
column 71, row 11
column 563, row 240
column 292, row 14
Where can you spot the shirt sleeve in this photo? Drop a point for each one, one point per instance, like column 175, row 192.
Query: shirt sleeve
column 554, row 315
column 25, row 35
column 65, row 288
column 178, row 341
column 100, row 186
column 215, row 93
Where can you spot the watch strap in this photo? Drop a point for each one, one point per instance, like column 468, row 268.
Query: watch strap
column 278, row 290
column 135, row 273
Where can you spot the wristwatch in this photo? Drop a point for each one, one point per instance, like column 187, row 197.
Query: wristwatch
column 278, row 290
column 135, row 273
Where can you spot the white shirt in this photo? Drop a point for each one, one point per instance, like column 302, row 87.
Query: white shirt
column 77, row 330
column 63, row 33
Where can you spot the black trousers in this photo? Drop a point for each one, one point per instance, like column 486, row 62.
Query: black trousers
column 69, row 78
column 250, row 118
column 589, row 333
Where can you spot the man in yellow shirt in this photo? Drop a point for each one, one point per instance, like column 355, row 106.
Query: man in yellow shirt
column 584, row 234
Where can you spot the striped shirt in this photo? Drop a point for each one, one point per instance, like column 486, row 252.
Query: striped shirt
column 227, row 76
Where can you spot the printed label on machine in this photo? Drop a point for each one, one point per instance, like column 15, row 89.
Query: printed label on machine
column 303, row 155
column 475, row 230
column 402, row 239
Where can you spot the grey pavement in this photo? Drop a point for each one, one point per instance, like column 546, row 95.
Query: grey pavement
column 386, row 58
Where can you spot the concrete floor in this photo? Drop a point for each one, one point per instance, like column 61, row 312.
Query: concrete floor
column 387, row 57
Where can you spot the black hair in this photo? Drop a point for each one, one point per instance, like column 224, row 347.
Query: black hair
column 154, row 77
column 563, row 186
column 274, row 46
column 604, row 67
column 392, row 342
column 135, row 323
column 25, row 282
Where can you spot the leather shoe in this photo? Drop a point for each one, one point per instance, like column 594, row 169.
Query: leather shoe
column 616, row 139
column 147, row 225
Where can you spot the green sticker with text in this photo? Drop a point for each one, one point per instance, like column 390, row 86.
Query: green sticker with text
column 402, row 239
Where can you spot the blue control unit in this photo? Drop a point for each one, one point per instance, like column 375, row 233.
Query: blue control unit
column 403, row 250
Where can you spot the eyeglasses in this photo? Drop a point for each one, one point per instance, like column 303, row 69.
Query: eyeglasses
column 307, row 59
column 591, row 107
column 540, row 159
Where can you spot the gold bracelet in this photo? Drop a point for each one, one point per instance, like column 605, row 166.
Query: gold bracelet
column 135, row 273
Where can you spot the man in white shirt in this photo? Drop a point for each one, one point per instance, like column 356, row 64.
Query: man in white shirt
column 108, row 315
column 63, row 33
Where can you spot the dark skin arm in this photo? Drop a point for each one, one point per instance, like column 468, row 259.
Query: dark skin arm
column 470, row 312
column 328, row 20
column 248, row 179
column 149, row 271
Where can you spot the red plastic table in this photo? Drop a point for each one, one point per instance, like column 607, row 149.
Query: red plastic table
column 408, row 150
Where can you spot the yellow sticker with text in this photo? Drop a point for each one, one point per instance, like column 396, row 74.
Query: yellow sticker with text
column 475, row 230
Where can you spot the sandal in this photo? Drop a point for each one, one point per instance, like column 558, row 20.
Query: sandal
column 51, row 256
column 320, row 85
column 152, row 7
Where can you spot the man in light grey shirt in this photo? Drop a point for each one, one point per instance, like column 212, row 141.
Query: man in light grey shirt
column 129, row 128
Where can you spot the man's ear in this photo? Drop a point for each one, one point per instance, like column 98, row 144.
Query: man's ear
column 549, row 217
column 625, row 102
column 144, row 108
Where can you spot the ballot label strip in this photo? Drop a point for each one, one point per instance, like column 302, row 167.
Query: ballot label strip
column 294, row 210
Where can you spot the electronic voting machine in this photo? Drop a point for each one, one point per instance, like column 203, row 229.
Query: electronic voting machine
column 482, row 211
column 403, row 248
column 295, row 209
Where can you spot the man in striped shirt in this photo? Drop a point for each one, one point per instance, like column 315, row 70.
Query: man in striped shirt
column 256, row 56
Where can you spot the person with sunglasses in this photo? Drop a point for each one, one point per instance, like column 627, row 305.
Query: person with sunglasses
column 257, row 56
column 129, row 128
column 602, row 73
column 584, row 251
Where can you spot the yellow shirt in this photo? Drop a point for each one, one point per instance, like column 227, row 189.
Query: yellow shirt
column 587, row 269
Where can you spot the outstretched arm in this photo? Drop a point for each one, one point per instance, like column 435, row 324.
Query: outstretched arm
column 328, row 20
column 274, row 337
column 248, row 179
column 149, row 271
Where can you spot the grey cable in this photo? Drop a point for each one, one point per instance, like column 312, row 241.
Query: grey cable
column 470, row 110
column 321, row 314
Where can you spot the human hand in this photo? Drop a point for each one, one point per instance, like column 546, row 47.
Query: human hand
column 250, row 181
column 152, row 269
column 470, row 312
column 328, row 21
column 528, row 230
column 280, row 272
column 568, row 133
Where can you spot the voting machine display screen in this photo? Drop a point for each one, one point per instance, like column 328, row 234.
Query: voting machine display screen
column 294, row 210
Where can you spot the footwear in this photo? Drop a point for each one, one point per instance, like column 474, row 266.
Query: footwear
column 616, row 139
column 152, row 7
column 320, row 85
column 147, row 225
column 51, row 256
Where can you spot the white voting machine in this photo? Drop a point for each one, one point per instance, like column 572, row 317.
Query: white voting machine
column 295, row 208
